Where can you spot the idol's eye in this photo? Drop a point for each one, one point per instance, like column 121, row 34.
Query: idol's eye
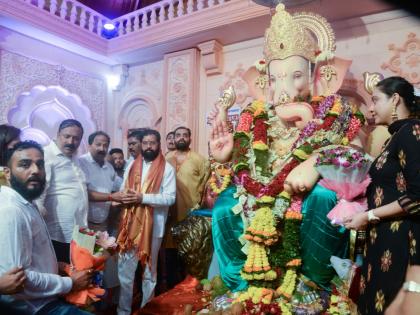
column 297, row 75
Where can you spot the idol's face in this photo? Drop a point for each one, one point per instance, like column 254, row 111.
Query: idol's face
column 289, row 79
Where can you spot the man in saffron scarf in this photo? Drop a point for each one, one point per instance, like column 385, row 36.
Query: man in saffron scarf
column 153, row 181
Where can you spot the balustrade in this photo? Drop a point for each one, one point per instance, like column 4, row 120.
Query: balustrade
column 84, row 17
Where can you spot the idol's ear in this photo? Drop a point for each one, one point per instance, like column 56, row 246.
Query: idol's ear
column 257, row 83
column 329, row 75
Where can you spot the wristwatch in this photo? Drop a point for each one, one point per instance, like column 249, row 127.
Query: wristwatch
column 411, row 286
column 372, row 218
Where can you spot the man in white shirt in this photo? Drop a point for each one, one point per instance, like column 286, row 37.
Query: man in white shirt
column 101, row 181
column 143, row 223
column 64, row 202
column 25, row 240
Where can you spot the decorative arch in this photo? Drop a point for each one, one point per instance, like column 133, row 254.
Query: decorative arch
column 39, row 112
column 138, row 111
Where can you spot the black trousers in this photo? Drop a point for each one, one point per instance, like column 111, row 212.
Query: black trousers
column 62, row 251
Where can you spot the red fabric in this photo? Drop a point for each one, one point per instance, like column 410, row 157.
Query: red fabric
column 174, row 301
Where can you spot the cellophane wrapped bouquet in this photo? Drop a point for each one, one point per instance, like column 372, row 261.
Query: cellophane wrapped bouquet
column 345, row 171
column 89, row 250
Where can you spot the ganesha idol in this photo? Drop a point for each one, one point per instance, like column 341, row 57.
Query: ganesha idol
column 270, row 226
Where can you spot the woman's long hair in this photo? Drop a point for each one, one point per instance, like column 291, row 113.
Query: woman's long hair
column 7, row 134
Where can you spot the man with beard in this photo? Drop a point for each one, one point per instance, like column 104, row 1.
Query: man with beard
column 116, row 158
column 170, row 142
column 64, row 202
column 25, row 240
column 191, row 174
column 101, row 181
column 152, row 180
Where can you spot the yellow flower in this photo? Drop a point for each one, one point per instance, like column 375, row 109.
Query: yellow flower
column 300, row 154
column 285, row 195
column 258, row 107
column 345, row 141
column 259, row 145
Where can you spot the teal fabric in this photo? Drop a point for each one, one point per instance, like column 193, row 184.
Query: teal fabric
column 226, row 229
column 202, row 212
column 319, row 238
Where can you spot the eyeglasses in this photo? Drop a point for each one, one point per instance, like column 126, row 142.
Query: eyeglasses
column 147, row 143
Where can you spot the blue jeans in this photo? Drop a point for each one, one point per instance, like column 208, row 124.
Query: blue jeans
column 61, row 308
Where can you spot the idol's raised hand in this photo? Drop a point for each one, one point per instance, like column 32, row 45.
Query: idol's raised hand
column 221, row 141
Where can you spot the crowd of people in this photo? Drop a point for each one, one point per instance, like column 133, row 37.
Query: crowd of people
column 46, row 192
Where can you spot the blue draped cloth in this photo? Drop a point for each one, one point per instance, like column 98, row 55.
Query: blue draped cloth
column 227, row 227
column 319, row 239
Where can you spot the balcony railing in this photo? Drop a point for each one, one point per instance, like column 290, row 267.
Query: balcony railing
column 86, row 18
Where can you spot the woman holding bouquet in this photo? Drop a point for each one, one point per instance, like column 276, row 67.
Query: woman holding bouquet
column 393, row 219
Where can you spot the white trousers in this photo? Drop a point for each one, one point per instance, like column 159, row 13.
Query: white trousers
column 127, row 265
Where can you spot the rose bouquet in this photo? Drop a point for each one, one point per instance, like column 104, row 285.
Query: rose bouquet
column 89, row 250
column 345, row 171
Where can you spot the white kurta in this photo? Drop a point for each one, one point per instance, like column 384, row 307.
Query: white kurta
column 64, row 202
column 127, row 262
column 24, row 241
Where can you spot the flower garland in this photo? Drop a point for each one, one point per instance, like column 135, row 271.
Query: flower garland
column 257, row 295
column 251, row 155
column 288, row 286
column 220, row 179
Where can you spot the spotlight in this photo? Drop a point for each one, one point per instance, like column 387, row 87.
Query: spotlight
column 113, row 81
column 109, row 30
column 109, row 26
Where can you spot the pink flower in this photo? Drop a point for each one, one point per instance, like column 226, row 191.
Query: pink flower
column 105, row 241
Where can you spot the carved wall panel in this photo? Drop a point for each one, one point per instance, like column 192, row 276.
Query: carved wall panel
column 181, row 84
column 405, row 61
column 39, row 112
column 19, row 74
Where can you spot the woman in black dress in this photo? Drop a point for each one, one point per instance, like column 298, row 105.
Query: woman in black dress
column 393, row 219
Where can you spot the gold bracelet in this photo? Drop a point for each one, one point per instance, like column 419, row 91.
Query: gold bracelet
column 411, row 286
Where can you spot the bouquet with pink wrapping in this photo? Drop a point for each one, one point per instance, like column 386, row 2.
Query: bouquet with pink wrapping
column 345, row 171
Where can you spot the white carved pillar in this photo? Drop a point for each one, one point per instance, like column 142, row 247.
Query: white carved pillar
column 73, row 13
column 153, row 17
column 190, row 6
column 53, row 6
column 171, row 10
column 181, row 91
column 63, row 9
column 82, row 20
column 41, row 4
column 121, row 28
column 136, row 22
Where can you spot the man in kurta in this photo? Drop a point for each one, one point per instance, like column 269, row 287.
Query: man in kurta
column 152, row 180
column 191, row 174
